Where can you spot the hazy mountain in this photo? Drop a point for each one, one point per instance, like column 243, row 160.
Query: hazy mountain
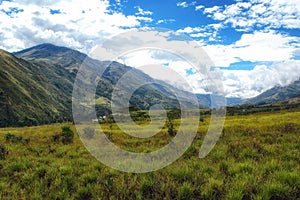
column 275, row 94
column 206, row 100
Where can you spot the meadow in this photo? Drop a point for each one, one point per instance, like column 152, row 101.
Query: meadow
column 257, row 157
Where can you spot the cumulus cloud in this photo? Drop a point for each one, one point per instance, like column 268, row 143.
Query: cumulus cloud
column 258, row 47
column 208, row 32
column 75, row 24
column 250, row 83
column 257, row 13
column 166, row 49
column 254, row 47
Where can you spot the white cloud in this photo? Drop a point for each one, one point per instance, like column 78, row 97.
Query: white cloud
column 79, row 25
column 185, row 4
column 208, row 32
column 258, row 13
column 212, row 9
column 160, row 21
column 145, row 19
column 143, row 12
column 189, row 30
column 255, row 47
column 250, row 83
column 139, row 48
column 182, row 4
column 199, row 7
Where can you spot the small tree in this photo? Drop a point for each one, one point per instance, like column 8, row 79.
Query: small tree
column 67, row 135
column 171, row 129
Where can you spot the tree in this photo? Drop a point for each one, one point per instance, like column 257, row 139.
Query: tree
column 67, row 135
column 171, row 129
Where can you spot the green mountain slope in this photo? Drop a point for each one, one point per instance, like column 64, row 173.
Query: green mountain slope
column 26, row 96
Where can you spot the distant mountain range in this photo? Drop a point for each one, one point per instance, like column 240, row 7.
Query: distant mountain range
column 36, row 86
column 276, row 94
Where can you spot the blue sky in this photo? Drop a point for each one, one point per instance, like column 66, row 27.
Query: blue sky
column 254, row 43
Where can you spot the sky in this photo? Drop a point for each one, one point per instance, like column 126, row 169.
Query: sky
column 254, row 44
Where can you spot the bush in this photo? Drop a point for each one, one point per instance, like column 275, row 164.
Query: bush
column 56, row 138
column 67, row 135
column 3, row 152
column 8, row 137
column 171, row 130
column 15, row 139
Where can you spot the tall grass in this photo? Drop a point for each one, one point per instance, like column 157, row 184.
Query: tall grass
column 257, row 157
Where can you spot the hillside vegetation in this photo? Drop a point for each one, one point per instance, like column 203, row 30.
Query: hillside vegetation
column 26, row 96
column 257, row 157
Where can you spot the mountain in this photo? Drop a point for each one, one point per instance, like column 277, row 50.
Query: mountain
column 276, row 94
column 37, row 84
column 206, row 100
column 27, row 97
column 67, row 61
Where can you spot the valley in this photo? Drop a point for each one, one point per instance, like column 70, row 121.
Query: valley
column 257, row 157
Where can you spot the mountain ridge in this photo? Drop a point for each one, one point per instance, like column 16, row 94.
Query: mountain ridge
column 276, row 94
column 26, row 97
column 53, row 70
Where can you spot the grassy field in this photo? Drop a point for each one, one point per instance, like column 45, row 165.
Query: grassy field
column 257, row 157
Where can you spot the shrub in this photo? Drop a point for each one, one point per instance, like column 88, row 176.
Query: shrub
column 171, row 130
column 88, row 132
column 26, row 141
column 8, row 137
column 3, row 152
column 67, row 135
column 56, row 138
column 15, row 139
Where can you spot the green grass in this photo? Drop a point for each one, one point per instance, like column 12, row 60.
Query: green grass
column 257, row 157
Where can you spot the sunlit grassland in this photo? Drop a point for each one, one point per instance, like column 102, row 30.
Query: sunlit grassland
column 257, row 157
